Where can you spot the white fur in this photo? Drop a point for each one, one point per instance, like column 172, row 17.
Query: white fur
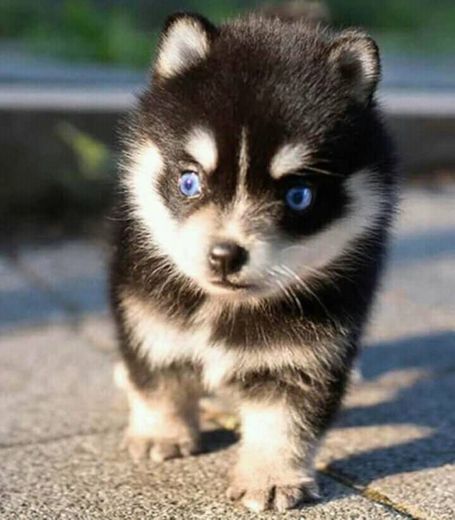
column 121, row 378
column 290, row 158
column 267, row 427
column 162, row 343
column 272, row 453
column 354, row 48
column 235, row 222
column 244, row 162
column 184, row 45
column 271, row 429
column 367, row 206
column 157, row 339
column 369, row 65
column 147, row 418
column 187, row 244
column 369, row 69
column 201, row 145
column 161, row 415
column 192, row 243
column 151, row 212
column 293, row 262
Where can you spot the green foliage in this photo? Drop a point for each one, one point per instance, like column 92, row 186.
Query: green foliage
column 424, row 26
column 88, row 180
column 78, row 30
column 17, row 16
column 126, row 31
column 93, row 157
column 392, row 15
column 219, row 11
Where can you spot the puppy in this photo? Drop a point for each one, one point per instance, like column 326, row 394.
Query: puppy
column 257, row 191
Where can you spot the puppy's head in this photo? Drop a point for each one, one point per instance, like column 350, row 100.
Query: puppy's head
column 256, row 156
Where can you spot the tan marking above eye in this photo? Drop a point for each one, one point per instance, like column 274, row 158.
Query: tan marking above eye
column 289, row 158
column 201, row 146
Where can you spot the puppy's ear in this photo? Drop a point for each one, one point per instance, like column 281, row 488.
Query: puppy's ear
column 355, row 58
column 185, row 41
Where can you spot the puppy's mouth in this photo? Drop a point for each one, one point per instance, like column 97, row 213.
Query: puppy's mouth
column 232, row 286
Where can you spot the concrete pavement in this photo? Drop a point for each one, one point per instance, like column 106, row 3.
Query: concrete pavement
column 390, row 455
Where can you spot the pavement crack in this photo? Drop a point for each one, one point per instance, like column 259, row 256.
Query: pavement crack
column 369, row 493
column 57, row 438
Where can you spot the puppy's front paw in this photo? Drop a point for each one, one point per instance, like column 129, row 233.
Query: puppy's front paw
column 275, row 497
column 159, row 450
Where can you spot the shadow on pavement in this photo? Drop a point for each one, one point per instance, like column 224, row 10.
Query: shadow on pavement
column 426, row 403
column 431, row 352
column 216, row 440
column 422, row 246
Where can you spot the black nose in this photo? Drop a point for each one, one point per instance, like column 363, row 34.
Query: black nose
column 227, row 258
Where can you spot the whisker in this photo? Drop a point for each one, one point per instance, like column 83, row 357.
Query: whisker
column 306, row 287
column 323, row 172
column 291, row 294
column 340, row 271
column 288, row 292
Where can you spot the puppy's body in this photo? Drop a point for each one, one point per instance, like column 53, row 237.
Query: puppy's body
column 258, row 190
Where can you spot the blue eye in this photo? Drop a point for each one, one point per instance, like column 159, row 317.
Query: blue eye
column 299, row 198
column 190, row 184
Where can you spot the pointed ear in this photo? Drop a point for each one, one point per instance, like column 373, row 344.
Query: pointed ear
column 355, row 58
column 184, row 42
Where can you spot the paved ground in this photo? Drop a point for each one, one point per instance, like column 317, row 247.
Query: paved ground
column 391, row 454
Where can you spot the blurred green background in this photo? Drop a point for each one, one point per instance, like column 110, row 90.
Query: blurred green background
column 60, row 163
column 125, row 31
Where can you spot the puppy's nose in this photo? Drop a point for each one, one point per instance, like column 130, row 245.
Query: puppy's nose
column 227, row 258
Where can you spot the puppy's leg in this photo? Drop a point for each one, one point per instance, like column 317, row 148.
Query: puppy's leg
column 281, row 427
column 163, row 420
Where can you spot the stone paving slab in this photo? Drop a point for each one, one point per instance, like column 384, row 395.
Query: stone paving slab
column 393, row 443
column 390, row 439
column 396, row 438
column 73, row 270
column 21, row 302
column 87, row 477
column 429, row 355
column 418, row 280
column 396, row 318
column 426, row 209
column 54, row 384
column 417, row 296
column 99, row 330
column 411, row 247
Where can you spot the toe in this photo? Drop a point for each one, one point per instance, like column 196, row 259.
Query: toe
column 170, row 449
column 235, row 492
column 287, row 497
column 275, row 498
column 162, row 451
column 137, row 447
column 257, row 500
column 189, row 447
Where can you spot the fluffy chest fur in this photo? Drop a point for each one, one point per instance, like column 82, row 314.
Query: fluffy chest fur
column 226, row 347
column 257, row 190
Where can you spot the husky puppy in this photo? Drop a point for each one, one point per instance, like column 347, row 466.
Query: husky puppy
column 257, row 193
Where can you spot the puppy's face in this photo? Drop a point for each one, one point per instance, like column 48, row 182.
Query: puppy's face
column 252, row 167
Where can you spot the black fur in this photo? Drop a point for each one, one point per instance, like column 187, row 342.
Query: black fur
column 278, row 80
